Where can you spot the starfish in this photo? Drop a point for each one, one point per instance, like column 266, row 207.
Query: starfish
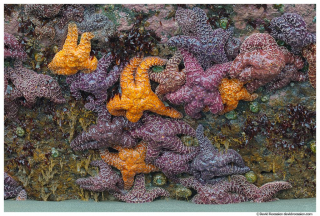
column 172, row 164
column 265, row 193
column 292, row 29
column 309, row 53
column 232, row 91
column 169, row 79
column 161, row 133
column 206, row 44
column 260, row 61
column 12, row 48
column 136, row 94
column 235, row 190
column 107, row 179
column 201, row 87
column 210, row 165
column 139, row 194
column 107, row 132
column 96, row 82
column 73, row 57
column 129, row 161
column 223, row 192
column 32, row 85
column 12, row 189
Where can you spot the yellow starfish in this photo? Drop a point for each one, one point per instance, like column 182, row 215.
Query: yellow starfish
column 73, row 57
column 136, row 94
column 130, row 161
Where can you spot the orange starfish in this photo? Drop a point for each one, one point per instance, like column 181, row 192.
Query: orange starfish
column 73, row 57
column 231, row 91
column 136, row 94
column 309, row 52
column 130, row 161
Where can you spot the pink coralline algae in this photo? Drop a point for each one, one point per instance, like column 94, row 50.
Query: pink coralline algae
column 161, row 133
column 170, row 79
column 260, row 61
column 32, row 85
column 12, row 47
column 106, row 180
column 139, row 194
column 107, row 132
column 206, row 44
column 71, row 12
column 291, row 28
column 210, row 165
column 12, row 189
column 309, row 53
column 173, row 164
column 234, row 191
column 201, row 87
column 290, row 72
column 97, row 82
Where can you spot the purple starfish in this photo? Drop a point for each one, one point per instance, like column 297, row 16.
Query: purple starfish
column 266, row 193
column 201, row 87
column 12, row 48
column 107, row 179
column 12, row 188
column 206, row 44
column 96, row 82
column 33, row 85
column 292, row 29
column 210, row 165
column 235, row 190
column 107, row 132
column 172, row 164
column 161, row 133
column 223, row 192
column 139, row 194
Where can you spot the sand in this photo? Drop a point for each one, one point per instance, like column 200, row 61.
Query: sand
column 169, row 205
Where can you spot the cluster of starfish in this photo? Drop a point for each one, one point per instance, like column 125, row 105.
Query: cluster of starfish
column 218, row 72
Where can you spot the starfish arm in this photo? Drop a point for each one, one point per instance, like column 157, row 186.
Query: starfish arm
column 182, row 95
column 84, row 46
column 112, row 77
column 299, row 77
column 156, row 76
column 173, row 63
column 127, row 141
column 215, row 74
column 75, row 90
column 181, row 127
column 153, row 151
column 230, row 106
column 161, row 90
column 268, row 190
column 117, row 106
column 111, row 158
column 127, row 75
column 204, row 30
column 191, row 182
column 128, row 179
column 72, row 37
column 242, row 186
column 139, row 183
column 231, row 156
column 193, row 68
column 142, row 76
column 176, row 145
column 255, row 84
column 243, row 94
column 186, row 42
column 156, row 192
column 194, row 108
column 104, row 64
column 158, row 107
column 204, row 142
column 214, row 102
